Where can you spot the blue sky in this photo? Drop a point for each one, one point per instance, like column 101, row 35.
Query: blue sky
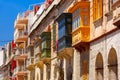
column 9, row 10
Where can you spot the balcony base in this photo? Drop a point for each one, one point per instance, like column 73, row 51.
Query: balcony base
column 65, row 53
column 46, row 61
column 39, row 64
column 31, row 67
column 82, row 46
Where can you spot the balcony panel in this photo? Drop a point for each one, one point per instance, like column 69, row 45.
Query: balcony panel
column 21, row 37
column 81, row 35
column 64, row 42
column 21, row 54
column 20, row 26
column 22, row 21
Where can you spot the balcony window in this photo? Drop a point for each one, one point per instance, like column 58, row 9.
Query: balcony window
column 61, row 32
column 64, row 42
column 97, row 9
column 46, row 44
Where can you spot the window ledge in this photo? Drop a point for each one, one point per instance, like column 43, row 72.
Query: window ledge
column 109, row 13
column 98, row 22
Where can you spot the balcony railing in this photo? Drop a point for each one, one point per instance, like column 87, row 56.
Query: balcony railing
column 81, row 34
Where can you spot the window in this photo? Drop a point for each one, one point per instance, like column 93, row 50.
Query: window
column 97, row 9
column 76, row 19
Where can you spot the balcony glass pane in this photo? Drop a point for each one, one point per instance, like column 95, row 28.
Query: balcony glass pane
column 76, row 23
column 61, row 32
column 46, row 44
column 61, row 44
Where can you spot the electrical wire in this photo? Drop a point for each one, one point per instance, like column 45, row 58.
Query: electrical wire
column 5, row 41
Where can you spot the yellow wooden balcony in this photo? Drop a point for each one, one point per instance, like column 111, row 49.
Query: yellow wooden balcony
column 80, row 35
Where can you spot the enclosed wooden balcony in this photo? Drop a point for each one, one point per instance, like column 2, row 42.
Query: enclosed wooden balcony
column 64, row 35
column 30, row 64
column 46, row 47
column 21, row 54
column 80, row 23
column 80, row 35
column 21, row 71
column 21, row 36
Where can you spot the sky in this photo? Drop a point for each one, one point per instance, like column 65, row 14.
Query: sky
column 8, row 13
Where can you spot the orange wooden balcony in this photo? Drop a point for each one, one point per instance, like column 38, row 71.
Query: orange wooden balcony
column 20, row 71
column 81, row 35
column 20, row 26
column 22, row 21
column 21, row 36
column 21, row 55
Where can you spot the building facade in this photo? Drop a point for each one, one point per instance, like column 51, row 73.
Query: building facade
column 68, row 40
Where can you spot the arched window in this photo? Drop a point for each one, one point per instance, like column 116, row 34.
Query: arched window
column 99, row 67
column 97, row 9
column 112, row 65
